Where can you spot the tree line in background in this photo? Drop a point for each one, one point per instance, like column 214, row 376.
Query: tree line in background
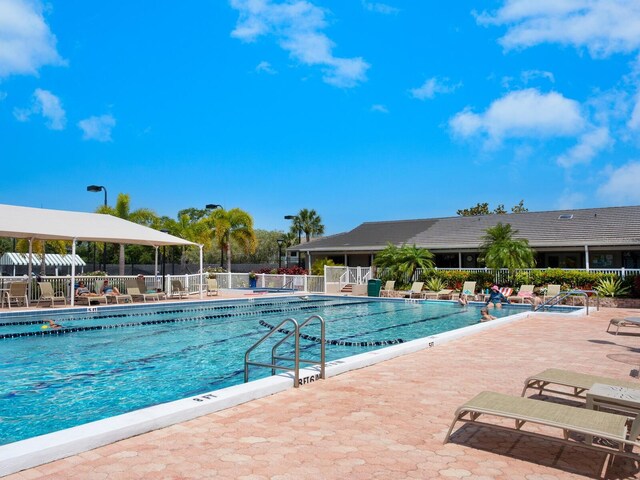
column 224, row 234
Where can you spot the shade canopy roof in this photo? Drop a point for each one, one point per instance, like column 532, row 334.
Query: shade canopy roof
column 50, row 259
column 44, row 224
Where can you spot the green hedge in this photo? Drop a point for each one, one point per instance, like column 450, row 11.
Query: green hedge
column 568, row 279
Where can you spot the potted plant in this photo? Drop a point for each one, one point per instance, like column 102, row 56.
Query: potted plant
column 253, row 279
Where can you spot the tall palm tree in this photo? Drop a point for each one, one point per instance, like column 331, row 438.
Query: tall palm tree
column 309, row 222
column 141, row 216
column 500, row 250
column 190, row 227
column 236, row 225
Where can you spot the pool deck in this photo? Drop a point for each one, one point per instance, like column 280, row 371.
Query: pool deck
column 386, row 421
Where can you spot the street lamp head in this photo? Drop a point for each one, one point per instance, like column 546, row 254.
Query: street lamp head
column 289, row 217
column 212, row 205
column 280, row 241
column 94, row 188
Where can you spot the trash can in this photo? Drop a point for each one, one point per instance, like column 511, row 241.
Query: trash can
column 373, row 287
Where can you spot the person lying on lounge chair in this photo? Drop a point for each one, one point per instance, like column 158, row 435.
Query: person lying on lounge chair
column 109, row 289
column 83, row 291
column 496, row 298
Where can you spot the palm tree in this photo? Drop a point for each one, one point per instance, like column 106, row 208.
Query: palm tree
column 236, row 225
column 40, row 246
column 190, row 227
column 142, row 216
column 402, row 262
column 309, row 222
column 501, row 250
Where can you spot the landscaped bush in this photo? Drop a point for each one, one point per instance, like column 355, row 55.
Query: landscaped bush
column 568, row 279
column 456, row 278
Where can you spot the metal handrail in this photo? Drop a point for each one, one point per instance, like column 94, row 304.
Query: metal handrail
column 562, row 295
column 273, row 366
column 275, row 357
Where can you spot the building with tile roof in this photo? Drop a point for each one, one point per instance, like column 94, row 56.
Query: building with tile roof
column 580, row 238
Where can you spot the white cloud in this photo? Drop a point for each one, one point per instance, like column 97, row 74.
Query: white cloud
column 298, row 26
column 569, row 200
column 26, row 43
column 97, row 128
column 379, row 108
column 432, row 86
column 589, row 145
column 266, row 68
column 380, row 8
column 622, row 184
column 634, row 121
column 530, row 75
column 46, row 104
column 604, row 27
column 522, row 114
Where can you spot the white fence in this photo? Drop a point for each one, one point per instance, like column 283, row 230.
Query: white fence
column 193, row 283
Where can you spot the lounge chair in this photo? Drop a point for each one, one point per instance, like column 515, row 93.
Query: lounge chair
column 17, row 293
column 445, row 294
column 142, row 286
column 506, row 291
column 178, row 290
column 526, row 291
column 571, row 420
column 133, row 289
column 48, row 295
column 416, row 290
column 388, row 288
column 579, row 383
column 552, row 291
column 469, row 291
column 212, row 286
column 624, row 322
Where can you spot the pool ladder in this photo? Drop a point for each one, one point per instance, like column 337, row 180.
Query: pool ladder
column 296, row 358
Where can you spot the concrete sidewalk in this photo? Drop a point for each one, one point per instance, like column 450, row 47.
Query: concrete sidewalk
column 386, row 421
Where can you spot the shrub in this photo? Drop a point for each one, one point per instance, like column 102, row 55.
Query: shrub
column 318, row 266
column 435, row 284
column 609, row 287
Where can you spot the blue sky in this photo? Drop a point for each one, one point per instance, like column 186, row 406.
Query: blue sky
column 359, row 109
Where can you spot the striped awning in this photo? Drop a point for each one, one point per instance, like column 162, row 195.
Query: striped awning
column 50, row 259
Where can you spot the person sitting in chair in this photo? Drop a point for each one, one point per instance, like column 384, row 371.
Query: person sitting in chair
column 109, row 289
column 83, row 291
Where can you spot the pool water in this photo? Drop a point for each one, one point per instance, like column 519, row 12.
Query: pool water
column 121, row 359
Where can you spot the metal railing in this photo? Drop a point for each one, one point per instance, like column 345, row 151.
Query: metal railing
column 557, row 299
column 296, row 357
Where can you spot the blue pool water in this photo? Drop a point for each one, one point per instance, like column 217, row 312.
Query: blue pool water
column 121, row 359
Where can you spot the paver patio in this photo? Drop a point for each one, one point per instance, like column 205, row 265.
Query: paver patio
column 386, row 421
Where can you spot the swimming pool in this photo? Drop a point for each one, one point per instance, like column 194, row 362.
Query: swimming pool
column 119, row 359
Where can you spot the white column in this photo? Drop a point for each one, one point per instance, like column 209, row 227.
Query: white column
column 586, row 257
column 309, row 260
column 72, row 287
column 459, row 259
column 345, row 260
column 30, row 268
column 201, row 270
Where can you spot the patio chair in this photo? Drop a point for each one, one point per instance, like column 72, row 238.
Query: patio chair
column 506, row 291
column 469, row 290
column 48, row 295
column 571, row 420
column 552, row 291
column 17, row 293
column 142, row 286
column 388, row 288
column 178, row 290
column 624, row 322
column 577, row 383
column 416, row 290
column 445, row 294
column 212, row 286
column 526, row 291
column 133, row 289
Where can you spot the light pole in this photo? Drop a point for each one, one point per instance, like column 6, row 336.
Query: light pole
column 164, row 258
column 280, row 242
column 98, row 188
column 294, row 218
column 213, row 206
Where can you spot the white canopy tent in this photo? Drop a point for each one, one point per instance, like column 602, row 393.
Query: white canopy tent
column 13, row 259
column 44, row 224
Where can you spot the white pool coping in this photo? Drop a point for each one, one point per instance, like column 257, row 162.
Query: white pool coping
column 35, row 451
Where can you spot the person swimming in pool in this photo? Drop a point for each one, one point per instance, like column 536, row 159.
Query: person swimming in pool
column 496, row 298
column 53, row 325
column 484, row 311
